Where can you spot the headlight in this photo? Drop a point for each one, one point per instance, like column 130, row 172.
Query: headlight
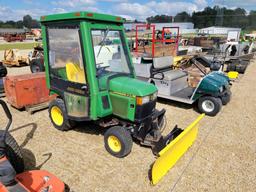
column 154, row 96
column 221, row 89
column 142, row 100
column 146, row 99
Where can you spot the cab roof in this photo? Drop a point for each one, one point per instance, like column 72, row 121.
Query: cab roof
column 82, row 15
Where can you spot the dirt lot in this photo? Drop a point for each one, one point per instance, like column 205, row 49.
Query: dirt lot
column 222, row 159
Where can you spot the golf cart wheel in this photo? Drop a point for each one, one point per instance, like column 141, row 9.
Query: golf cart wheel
column 118, row 141
column 36, row 66
column 209, row 105
column 58, row 115
column 13, row 153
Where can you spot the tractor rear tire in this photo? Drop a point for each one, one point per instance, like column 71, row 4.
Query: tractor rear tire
column 209, row 105
column 58, row 115
column 118, row 141
column 13, row 152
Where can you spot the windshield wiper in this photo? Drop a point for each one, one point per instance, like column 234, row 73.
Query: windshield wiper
column 103, row 41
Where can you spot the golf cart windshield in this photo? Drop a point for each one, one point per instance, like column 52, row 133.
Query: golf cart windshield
column 110, row 54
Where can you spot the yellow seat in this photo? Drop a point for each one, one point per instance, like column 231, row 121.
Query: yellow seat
column 75, row 73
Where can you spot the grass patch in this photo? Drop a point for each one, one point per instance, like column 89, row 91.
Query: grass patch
column 18, row 46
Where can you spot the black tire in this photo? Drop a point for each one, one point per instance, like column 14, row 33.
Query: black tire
column 37, row 65
column 226, row 98
column 215, row 105
column 66, row 124
column 3, row 70
column 241, row 68
column 231, row 67
column 124, row 138
column 13, row 153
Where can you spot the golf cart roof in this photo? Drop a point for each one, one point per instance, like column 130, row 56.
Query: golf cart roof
column 82, row 15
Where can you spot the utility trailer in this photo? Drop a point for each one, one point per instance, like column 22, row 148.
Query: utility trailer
column 211, row 91
column 156, row 43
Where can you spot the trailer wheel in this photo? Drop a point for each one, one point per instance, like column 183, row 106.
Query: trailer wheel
column 58, row 115
column 13, row 152
column 209, row 105
column 118, row 141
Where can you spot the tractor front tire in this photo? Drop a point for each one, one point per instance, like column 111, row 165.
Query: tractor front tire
column 13, row 152
column 58, row 115
column 209, row 105
column 118, row 141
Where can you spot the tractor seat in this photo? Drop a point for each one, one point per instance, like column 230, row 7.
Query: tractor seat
column 75, row 73
column 170, row 75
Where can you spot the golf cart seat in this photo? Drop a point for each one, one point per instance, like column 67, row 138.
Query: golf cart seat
column 170, row 75
column 75, row 73
column 162, row 69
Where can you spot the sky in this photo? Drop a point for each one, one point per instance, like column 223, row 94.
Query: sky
column 130, row 9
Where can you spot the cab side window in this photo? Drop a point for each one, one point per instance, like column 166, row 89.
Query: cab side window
column 65, row 56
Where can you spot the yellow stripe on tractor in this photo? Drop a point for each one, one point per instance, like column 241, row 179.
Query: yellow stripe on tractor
column 169, row 155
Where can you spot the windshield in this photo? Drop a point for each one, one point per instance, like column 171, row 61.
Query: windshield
column 110, row 56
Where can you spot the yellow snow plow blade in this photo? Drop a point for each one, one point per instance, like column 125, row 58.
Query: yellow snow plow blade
column 169, row 155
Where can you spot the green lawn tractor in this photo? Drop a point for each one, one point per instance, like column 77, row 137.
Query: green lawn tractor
column 89, row 67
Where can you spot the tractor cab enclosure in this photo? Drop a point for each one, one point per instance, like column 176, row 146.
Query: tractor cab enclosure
column 88, row 66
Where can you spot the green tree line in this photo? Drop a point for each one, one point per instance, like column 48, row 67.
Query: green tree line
column 216, row 16
column 27, row 22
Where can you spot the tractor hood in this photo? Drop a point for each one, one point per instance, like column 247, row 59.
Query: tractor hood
column 131, row 86
column 213, row 82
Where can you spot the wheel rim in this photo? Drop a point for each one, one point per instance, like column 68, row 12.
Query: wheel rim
column 114, row 143
column 208, row 106
column 35, row 69
column 57, row 115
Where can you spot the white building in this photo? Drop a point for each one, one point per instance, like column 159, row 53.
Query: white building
column 218, row 30
column 185, row 27
column 11, row 31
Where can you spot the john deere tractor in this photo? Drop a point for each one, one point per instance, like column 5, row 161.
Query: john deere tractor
column 89, row 67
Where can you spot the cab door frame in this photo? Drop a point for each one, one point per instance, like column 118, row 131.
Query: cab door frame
column 75, row 91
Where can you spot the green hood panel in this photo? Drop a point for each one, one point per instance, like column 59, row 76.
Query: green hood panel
column 131, row 86
column 220, row 78
column 212, row 82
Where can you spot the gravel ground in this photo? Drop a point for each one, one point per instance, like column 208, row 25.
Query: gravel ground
column 223, row 157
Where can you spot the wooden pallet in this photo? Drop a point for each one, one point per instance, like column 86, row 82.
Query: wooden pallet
column 14, row 63
column 33, row 108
